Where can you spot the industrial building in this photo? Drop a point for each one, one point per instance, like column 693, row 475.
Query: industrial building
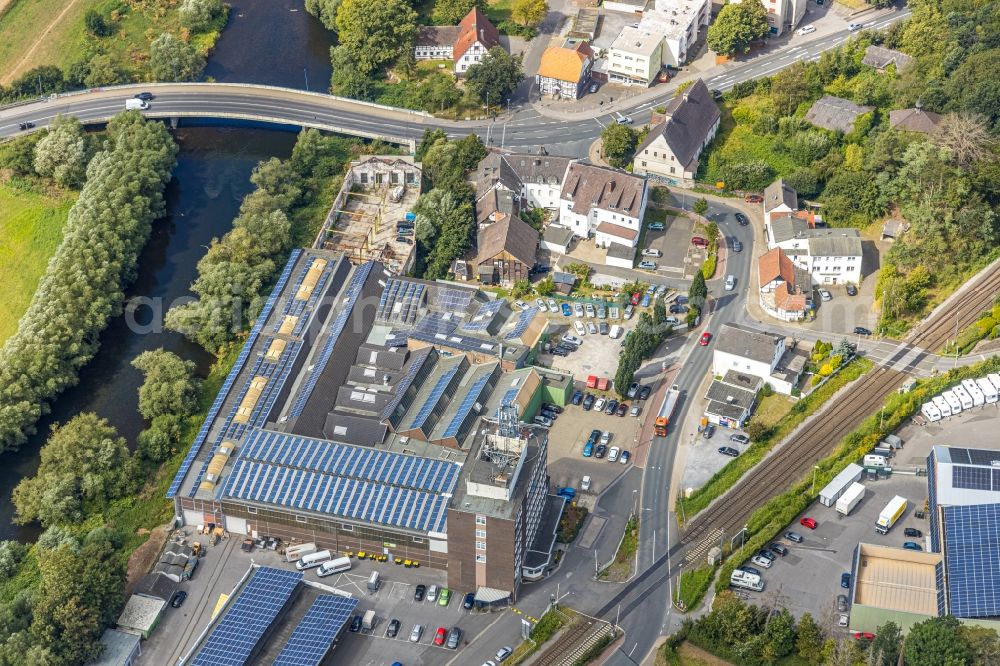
column 365, row 412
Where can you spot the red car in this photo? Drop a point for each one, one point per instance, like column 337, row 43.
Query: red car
column 698, row 241
column 753, row 198
column 440, row 636
column 636, row 298
column 864, row 635
column 808, row 522
column 706, row 337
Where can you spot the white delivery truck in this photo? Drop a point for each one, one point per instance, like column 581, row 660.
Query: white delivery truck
column 850, row 499
column 943, row 405
column 746, row 581
column 953, row 402
column 930, row 412
column 139, row 104
column 313, row 560
column 990, row 393
column 892, row 512
column 368, row 622
column 337, row 565
column 972, row 388
column 964, row 397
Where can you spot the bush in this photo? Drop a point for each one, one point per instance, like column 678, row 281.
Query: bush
column 11, row 554
column 708, row 268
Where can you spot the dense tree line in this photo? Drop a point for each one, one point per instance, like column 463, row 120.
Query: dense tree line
column 642, row 342
column 446, row 224
column 84, row 283
column 236, row 273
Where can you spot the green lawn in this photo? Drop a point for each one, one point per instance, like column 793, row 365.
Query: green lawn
column 773, row 408
column 31, row 223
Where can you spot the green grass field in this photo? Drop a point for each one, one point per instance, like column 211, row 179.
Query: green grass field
column 31, row 225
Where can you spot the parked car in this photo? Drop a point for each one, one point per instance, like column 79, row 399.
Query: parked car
column 843, row 621
column 432, row 593
column 912, row 532
column 178, row 600
column 750, row 570
column 577, row 310
column 542, row 421
column 645, row 301
column 779, row 549
column 633, row 389
column 677, row 308
column 588, row 450
column 636, row 410
column 767, row 555
column 502, row 653
column 355, row 625
column 600, row 451
column 808, row 522
column 730, row 282
column 761, row 561
column 845, row 580
column 454, row 637
column 589, row 307
column 612, row 407
column 577, row 397
column 393, row 628
column 596, row 436
column 729, row 451
column 650, row 252
column 470, row 599
column 698, row 241
column 706, row 337
column 647, row 265
column 861, row 330
column 440, row 635
column 708, row 431
column 566, row 310
column 644, row 392
column 579, row 328
column 636, row 297
column 541, row 305
column 852, row 290
column 416, row 632
column 613, row 454
column 622, row 409
column 682, row 300
column 521, row 305
column 753, row 199
column 419, row 592
column 588, row 402
column 739, row 438
column 742, row 219
column 560, row 351
column 592, row 328
column 825, row 295
column 805, row 30
column 602, row 313
column 656, row 226
column 624, row 457
column 593, row 87
column 912, row 545
column 842, row 603
column 572, row 339
column 585, row 483
column 794, row 536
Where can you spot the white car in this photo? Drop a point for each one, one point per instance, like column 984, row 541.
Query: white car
column 543, row 421
column 552, row 305
column 613, row 453
column 541, row 305
column 650, row 252
column 854, row 27
column 415, row 633
column 578, row 325
column 805, row 30
column 761, row 561
column 599, row 405
column 503, row 653
column 572, row 339
column 521, row 305
column 585, row 483
column 622, row 119
column 590, row 310
column 673, row 321
column 843, row 621
column 592, row 328
column 606, row 437
column 825, row 295
column 647, row 265
column 730, row 282
column 577, row 310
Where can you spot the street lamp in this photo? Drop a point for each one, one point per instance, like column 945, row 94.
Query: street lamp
column 815, row 467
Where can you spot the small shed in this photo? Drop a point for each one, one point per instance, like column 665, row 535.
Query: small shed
column 141, row 614
column 557, row 238
column 836, row 114
column 564, row 282
column 121, row 648
column 620, row 255
column 893, row 229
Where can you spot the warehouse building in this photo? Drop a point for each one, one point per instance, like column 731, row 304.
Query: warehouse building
column 356, row 415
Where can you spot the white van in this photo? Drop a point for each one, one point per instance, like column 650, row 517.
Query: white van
column 875, row 461
column 313, row 560
column 374, row 581
column 334, row 566
column 140, row 104
column 953, row 401
column 616, row 332
column 943, row 405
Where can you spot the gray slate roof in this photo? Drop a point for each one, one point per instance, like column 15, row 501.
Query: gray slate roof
column 748, row 343
column 589, row 186
column 835, row 113
column 779, row 192
column 836, row 243
column 728, row 394
column 880, row 57
column 914, row 120
column 690, row 117
column 557, row 234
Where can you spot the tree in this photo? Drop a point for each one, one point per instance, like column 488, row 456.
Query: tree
column 454, row 220
column 62, row 153
column 197, row 15
column 171, row 59
column 521, row 288
column 11, row 554
column 450, row 12
column 96, row 24
column 169, row 385
column 966, row 136
column 83, row 460
column 325, row 11
column 347, row 78
column 757, row 431
column 884, row 650
column 545, row 286
column 102, row 70
column 375, row 32
column 736, row 26
column 698, row 290
column 790, row 87
column 494, row 79
column 618, row 143
column 984, row 644
column 936, row 642
column 529, row 12
column 701, row 207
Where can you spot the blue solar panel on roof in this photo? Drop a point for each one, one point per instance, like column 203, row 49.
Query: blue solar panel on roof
column 433, row 397
column 484, row 316
column 522, row 323
column 316, row 632
column 227, row 385
column 234, row 638
column 463, row 410
column 454, row 299
column 508, row 397
column 972, row 478
column 972, row 551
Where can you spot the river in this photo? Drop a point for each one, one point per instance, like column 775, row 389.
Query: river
column 210, row 180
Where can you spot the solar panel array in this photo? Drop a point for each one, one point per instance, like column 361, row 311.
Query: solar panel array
column 484, row 316
column 454, row 300
column 465, row 343
column 433, row 397
column 522, row 323
column 315, row 633
column 416, row 362
column 351, row 294
column 972, row 551
column 400, row 301
column 356, row 462
column 465, row 408
column 437, row 323
column 220, row 397
column 344, row 481
column 239, row 631
column 301, row 309
column 508, row 397
column 975, row 478
column 973, row 456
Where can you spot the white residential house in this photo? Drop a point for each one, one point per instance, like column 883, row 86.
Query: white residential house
column 678, row 22
column 636, row 57
column 606, row 203
column 465, row 44
column 757, row 353
column 671, row 150
column 779, row 200
column 782, row 15
column 829, row 255
column 536, row 179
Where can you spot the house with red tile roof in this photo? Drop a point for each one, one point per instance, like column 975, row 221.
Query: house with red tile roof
column 465, row 44
column 784, row 287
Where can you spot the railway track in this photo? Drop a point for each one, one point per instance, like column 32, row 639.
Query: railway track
column 792, row 461
column 961, row 313
column 568, row 642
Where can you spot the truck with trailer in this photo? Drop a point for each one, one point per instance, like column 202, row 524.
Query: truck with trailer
column 850, row 499
column 892, row 512
column 746, row 581
column 662, row 422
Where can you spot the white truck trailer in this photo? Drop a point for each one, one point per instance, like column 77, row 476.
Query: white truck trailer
column 850, row 499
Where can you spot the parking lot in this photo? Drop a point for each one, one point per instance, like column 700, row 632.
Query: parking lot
column 808, row 578
column 702, row 458
column 674, row 242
